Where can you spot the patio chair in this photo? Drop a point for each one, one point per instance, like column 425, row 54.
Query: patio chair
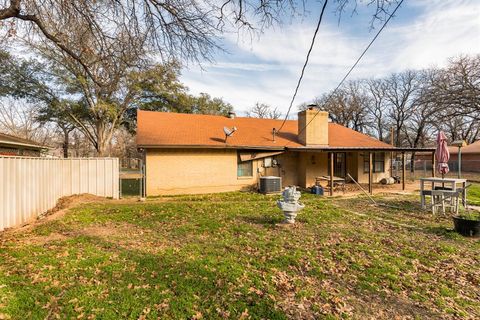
column 446, row 198
column 438, row 201
column 451, row 196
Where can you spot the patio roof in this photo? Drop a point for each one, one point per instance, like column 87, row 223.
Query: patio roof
column 341, row 149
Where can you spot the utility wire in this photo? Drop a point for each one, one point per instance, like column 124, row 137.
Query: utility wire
column 305, row 64
column 354, row 65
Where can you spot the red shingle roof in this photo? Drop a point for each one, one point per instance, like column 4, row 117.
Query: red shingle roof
column 163, row 129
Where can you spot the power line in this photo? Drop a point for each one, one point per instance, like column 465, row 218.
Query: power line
column 354, row 65
column 305, row 64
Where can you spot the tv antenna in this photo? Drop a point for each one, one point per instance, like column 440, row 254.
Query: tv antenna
column 228, row 132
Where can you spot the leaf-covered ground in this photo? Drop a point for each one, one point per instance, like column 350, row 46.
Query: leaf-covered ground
column 224, row 256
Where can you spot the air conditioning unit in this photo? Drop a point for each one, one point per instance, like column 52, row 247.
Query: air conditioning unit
column 270, row 184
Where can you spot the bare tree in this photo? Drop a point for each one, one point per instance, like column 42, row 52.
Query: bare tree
column 183, row 29
column 377, row 106
column 79, row 147
column 457, row 87
column 415, row 102
column 402, row 90
column 19, row 118
column 347, row 106
column 455, row 92
column 460, row 128
column 264, row 111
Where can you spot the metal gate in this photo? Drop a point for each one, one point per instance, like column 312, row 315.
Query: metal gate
column 132, row 178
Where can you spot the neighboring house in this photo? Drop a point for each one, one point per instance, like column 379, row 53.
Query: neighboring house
column 14, row 146
column 470, row 157
column 188, row 153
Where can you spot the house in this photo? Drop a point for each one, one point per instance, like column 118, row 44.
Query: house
column 190, row 153
column 15, row 146
column 470, row 157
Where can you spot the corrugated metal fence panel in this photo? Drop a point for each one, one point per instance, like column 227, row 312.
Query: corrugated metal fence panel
column 32, row 186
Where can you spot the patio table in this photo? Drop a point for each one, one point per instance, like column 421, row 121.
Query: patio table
column 450, row 183
column 336, row 181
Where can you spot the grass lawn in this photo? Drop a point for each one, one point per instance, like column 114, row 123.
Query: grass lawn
column 223, row 256
column 474, row 194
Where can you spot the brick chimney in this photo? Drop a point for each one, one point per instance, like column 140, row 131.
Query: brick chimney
column 316, row 133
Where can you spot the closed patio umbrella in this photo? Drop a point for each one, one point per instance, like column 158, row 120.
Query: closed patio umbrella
column 442, row 155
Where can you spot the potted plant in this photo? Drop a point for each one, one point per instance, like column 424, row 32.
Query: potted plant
column 468, row 223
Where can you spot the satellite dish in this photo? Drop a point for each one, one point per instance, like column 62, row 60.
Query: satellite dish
column 229, row 132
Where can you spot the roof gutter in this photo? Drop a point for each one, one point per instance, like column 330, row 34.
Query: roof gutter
column 23, row 145
column 333, row 149
column 279, row 148
column 146, row 146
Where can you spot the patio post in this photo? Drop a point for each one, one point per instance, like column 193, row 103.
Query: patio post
column 433, row 164
column 403, row 170
column 331, row 173
column 370, row 172
column 412, row 165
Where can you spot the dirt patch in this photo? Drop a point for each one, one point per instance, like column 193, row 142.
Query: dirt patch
column 125, row 235
column 69, row 202
column 62, row 207
column 42, row 240
column 64, row 204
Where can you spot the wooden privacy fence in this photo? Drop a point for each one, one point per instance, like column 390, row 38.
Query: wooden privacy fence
column 32, row 186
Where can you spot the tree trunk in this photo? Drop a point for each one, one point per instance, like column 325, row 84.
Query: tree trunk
column 101, row 147
column 66, row 142
column 412, row 162
column 65, row 145
column 103, row 139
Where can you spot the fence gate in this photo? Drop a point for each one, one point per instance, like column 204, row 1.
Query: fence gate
column 132, row 178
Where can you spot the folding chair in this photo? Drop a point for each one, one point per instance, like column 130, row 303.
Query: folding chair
column 438, row 201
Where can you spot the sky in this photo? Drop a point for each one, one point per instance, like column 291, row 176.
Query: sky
column 265, row 69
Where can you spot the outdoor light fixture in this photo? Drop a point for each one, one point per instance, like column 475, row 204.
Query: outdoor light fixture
column 460, row 144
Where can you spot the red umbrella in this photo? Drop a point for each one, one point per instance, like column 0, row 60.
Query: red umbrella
column 442, row 154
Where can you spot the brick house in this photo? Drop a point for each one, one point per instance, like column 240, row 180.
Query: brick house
column 15, row 146
column 189, row 153
column 470, row 157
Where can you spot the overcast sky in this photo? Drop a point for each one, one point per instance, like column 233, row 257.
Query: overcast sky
column 424, row 33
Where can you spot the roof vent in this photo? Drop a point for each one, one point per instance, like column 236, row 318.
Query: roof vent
column 232, row 115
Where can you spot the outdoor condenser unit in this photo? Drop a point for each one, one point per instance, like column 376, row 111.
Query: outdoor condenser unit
column 270, row 184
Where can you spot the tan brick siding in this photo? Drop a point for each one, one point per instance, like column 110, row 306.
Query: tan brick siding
column 194, row 171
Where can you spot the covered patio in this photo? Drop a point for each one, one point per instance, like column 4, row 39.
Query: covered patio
column 334, row 166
